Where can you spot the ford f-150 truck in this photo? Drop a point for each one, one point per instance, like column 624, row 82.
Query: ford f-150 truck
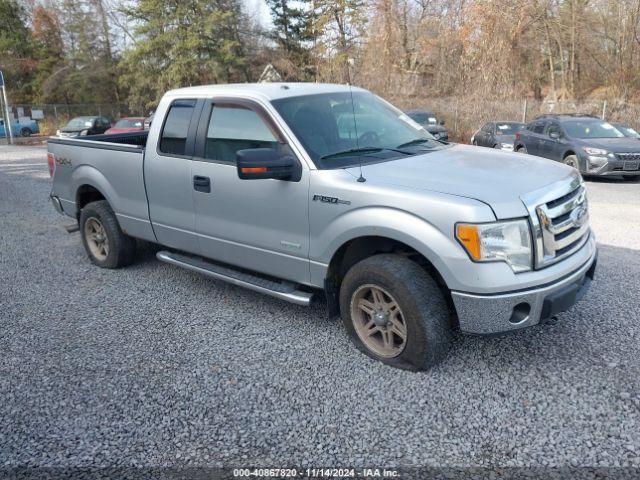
column 297, row 189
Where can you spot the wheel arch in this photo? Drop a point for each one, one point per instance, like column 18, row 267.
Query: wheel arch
column 90, row 185
column 359, row 248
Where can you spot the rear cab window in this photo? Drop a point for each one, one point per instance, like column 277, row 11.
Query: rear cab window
column 173, row 139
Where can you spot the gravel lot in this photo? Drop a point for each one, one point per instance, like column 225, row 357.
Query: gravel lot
column 156, row 366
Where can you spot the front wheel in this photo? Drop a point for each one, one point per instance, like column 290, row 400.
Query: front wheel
column 25, row 132
column 572, row 161
column 521, row 149
column 395, row 312
column 102, row 237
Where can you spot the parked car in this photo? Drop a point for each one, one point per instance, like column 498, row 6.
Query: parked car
column 127, row 124
column 430, row 123
column 406, row 237
column 627, row 130
column 20, row 128
column 497, row 135
column 81, row 126
column 148, row 121
column 591, row 145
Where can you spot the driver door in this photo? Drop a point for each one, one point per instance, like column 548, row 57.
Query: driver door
column 260, row 224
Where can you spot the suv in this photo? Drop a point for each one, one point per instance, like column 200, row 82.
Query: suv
column 591, row 145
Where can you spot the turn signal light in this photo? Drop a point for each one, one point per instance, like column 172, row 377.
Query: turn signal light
column 468, row 236
column 254, row 169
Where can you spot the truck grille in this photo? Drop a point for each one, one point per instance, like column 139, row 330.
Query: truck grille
column 563, row 226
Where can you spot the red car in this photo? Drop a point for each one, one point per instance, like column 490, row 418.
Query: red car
column 127, row 124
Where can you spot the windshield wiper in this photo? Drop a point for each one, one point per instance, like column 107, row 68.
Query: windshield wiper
column 355, row 151
column 417, row 141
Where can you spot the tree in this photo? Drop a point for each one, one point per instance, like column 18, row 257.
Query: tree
column 16, row 50
column 181, row 43
column 293, row 35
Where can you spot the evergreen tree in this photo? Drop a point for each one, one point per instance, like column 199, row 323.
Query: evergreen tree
column 293, row 35
column 182, row 43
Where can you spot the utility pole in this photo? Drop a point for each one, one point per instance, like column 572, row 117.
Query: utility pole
column 8, row 133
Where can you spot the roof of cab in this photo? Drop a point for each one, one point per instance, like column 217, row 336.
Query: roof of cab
column 269, row 91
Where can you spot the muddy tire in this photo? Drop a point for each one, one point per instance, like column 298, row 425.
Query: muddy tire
column 102, row 237
column 395, row 312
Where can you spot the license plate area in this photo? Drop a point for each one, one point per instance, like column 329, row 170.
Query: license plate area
column 630, row 166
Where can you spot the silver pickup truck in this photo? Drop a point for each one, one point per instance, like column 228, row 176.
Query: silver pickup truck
column 297, row 189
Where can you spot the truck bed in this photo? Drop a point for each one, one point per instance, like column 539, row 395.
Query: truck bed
column 110, row 164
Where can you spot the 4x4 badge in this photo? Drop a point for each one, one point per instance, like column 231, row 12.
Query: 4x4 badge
column 325, row 199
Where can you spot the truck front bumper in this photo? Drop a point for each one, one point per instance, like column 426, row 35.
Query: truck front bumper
column 496, row 313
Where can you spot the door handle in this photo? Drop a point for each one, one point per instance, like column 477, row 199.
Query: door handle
column 202, row 184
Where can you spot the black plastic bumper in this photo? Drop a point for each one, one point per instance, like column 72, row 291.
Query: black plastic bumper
column 564, row 299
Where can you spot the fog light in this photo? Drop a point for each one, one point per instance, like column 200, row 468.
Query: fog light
column 520, row 313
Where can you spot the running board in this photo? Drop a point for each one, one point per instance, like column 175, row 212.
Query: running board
column 283, row 290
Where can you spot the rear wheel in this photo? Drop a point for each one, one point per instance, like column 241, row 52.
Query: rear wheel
column 395, row 312
column 521, row 149
column 572, row 161
column 25, row 132
column 102, row 237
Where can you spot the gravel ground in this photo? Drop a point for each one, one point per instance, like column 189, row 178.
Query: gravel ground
column 156, row 366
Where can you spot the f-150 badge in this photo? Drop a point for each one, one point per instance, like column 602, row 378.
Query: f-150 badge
column 325, row 199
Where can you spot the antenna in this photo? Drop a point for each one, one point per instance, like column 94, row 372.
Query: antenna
column 361, row 179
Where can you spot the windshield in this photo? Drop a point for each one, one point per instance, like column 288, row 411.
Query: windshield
column 590, row 129
column 423, row 117
column 508, row 128
column 338, row 133
column 129, row 123
column 80, row 122
column 628, row 131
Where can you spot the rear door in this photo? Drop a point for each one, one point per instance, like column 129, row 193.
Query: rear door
column 533, row 136
column 483, row 135
column 168, row 179
column 261, row 225
column 551, row 147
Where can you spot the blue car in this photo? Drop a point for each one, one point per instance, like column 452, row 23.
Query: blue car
column 20, row 129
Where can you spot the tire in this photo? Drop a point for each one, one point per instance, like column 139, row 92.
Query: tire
column 474, row 143
column 105, row 243
column 422, row 310
column 522, row 149
column 572, row 161
column 25, row 132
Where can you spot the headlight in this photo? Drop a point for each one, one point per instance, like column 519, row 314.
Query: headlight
column 84, row 132
column 508, row 242
column 58, row 132
column 506, row 146
column 595, row 151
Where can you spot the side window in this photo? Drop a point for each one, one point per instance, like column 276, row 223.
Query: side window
column 232, row 128
column 554, row 128
column 174, row 133
column 538, row 127
column 486, row 128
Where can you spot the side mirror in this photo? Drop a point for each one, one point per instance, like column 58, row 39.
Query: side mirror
column 261, row 163
column 554, row 135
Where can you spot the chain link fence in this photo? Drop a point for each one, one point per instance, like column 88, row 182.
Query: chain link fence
column 462, row 116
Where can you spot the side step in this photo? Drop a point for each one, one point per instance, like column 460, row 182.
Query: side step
column 283, row 290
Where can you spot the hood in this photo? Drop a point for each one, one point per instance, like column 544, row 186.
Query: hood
column 73, row 129
column 616, row 145
column 123, row 130
column 494, row 177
